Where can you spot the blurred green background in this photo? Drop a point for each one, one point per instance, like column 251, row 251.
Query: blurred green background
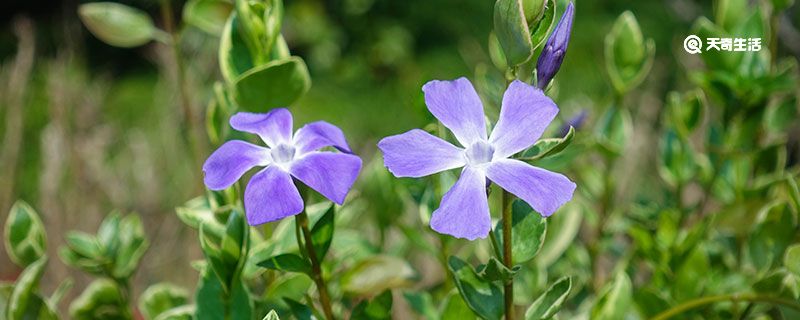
column 86, row 128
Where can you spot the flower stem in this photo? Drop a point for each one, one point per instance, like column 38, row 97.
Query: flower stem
column 508, row 260
column 699, row 302
column 316, row 267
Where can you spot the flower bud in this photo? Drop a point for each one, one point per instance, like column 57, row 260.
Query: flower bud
column 555, row 49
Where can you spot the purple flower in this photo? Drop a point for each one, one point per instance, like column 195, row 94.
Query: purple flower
column 271, row 193
column 576, row 122
column 554, row 50
column 464, row 210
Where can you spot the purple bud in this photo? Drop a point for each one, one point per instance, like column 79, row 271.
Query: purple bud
column 555, row 49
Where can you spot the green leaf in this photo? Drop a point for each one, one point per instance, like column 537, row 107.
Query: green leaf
column 548, row 147
column 234, row 239
column 628, row 56
column 422, row 304
column 484, row 298
column 108, row 233
column 791, row 259
column 198, row 211
column 377, row 274
column 567, row 222
column 542, row 28
column 494, row 270
column 234, row 55
column 184, row 312
column 512, row 31
column 25, row 238
column 287, row 262
column 216, row 262
column 272, row 315
column 454, row 307
column 275, row 84
column 322, row 233
column 161, row 297
column 102, row 299
column 379, row 307
column 207, row 15
column 213, row 302
column 613, row 130
column 773, row 233
column 84, row 245
column 133, row 245
column 615, row 299
column 549, row 303
column 299, row 310
column 117, row 24
column 528, row 232
column 22, row 300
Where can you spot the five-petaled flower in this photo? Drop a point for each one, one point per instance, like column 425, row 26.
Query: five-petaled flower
column 271, row 193
column 464, row 210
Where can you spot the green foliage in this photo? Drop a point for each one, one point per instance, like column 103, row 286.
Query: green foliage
column 628, row 56
column 615, row 299
column 549, row 303
column 161, row 298
column 377, row 274
column 512, row 31
column 484, row 298
column 25, row 238
column 528, row 232
column 102, row 299
column 207, row 15
column 117, row 24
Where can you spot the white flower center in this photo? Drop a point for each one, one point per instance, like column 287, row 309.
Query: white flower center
column 479, row 153
column 282, row 153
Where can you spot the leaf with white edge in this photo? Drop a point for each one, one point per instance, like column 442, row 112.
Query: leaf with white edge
column 494, row 270
column 376, row 274
column 184, row 312
column 117, row 24
column 275, row 84
column 132, row 247
column 542, row 29
column 512, row 31
column 549, row 303
column 548, row 147
column 454, row 308
column 102, row 299
column 379, row 307
column 287, row 262
column 84, row 245
column 234, row 238
column 484, row 298
column 791, row 259
column 272, row 315
column 529, row 230
column 25, row 237
column 207, row 15
column 234, row 55
column 23, row 296
column 160, row 298
column 615, row 299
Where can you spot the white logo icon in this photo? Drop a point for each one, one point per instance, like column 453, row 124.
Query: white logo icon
column 692, row 44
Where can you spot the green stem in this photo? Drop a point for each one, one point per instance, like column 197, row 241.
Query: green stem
column 508, row 260
column 316, row 268
column 748, row 297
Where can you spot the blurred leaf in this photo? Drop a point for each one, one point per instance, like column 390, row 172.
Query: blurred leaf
column 791, row 259
column 117, row 24
column 549, row 303
column 322, row 233
column 133, row 245
column 542, row 28
column 299, row 310
column 422, row 304
column 691, row 278
column 678, row 166
column 568, row 223
column 484, row 298
column 234, row 55
column 781, row 115
column 102, row 299
column 272, row 315
column 161, row 297
column 25, row 238
column 729, row 13
column 615, row 299
column 84, row 244
column 686, row 111
column 273, row 18
column 614, row 129
column 179, row 313
column 528, row 231
column 287, row 262
column 207, row 15
column 379, row 307
column 198, row 211
column 628, row 56
column 377, row 274
column 23, row 300
column 512, row 31
column 772, row 234
column 454, row 307
column 496, row 53
column 779, row 5
column 213, row 255
column 108, row 233
column 494, row 270
column 650, row 302
column 275, row 84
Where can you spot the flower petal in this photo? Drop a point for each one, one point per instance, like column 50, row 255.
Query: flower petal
column 329, row 173
column 228, row 163
column 271, row 195
column 417, row 153
column 525, row 113
column 544, row 190
column 464, row 211
column 273, row 127
column 457, row 105
column 317, row 135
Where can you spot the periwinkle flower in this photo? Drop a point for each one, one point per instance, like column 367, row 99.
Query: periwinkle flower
column 271, row 193
column 464, row 210
column 554, row 49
